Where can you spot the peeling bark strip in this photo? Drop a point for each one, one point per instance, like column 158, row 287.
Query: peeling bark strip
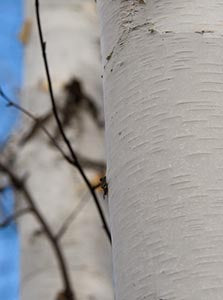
column 165, row 168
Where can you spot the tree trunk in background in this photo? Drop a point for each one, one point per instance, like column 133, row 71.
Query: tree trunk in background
column 163, row 89
column 71, row 33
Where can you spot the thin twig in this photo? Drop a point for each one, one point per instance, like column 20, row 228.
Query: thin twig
column 34, row 129
column 8, row 220
column 86, row 162
column 73, row 215
column 37, row 121
column 20, row 185
column 53, row 102
column 60, row 127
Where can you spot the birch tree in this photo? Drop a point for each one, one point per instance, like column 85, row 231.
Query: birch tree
column 163, row 88
column 70, row 30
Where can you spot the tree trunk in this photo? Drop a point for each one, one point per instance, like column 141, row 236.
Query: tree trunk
column 71, row 33
column 163, row 90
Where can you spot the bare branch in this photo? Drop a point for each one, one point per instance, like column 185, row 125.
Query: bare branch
column 86, row 162
column 20, row 185
column 53, row 102
column 60, row 126
column 38, row 124
column 37, row 121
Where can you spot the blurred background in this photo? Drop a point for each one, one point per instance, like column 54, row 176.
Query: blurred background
column 28, row 267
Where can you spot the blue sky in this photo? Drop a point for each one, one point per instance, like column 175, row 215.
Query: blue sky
column 11, row 77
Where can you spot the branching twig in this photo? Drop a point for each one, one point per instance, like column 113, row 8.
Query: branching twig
column 20, row 185
column 86, row 162
column 60, row 127
column 37, row 121
column 39, row 124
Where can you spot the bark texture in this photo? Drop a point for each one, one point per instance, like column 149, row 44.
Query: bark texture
column 163, row 89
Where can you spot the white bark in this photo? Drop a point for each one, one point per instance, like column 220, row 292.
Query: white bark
column 163, row 89
column 71, row 32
